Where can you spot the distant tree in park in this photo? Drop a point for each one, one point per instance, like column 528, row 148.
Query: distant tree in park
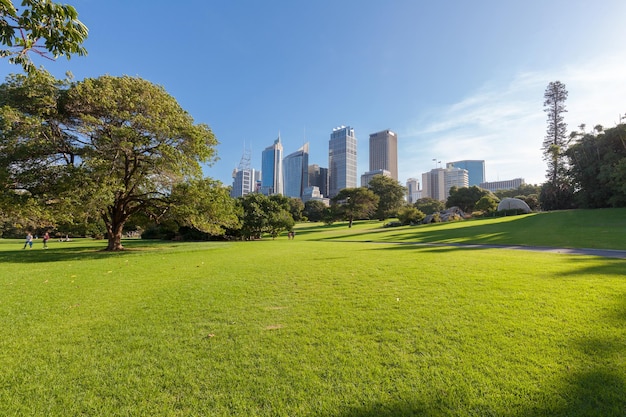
column 465, row 198
column 597, row 168
column 410, row 215
column 429, row 205
column 487, row 204
column 524, row 189
column 314, row 210
column 263, row 214
column 40, row 26
column 390, row 195
column 110, row 146
column 556, row 193
column 296, row 209
column 531, row 199
column 354, row 203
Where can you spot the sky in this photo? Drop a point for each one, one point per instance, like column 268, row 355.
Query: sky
column 454, row 79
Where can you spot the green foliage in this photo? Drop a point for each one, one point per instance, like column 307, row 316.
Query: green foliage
column 390, row 195
column 296, row 209
column 429, row 205
column 524, row 190
column 487, row 204
column 354, row 203
column 532, row 200
column 556, row 197
column 314, row 210
column 110, row 147
column 56, row 25
column 204, row 205
column 466, row 198
column 598, row 168
column 263, row 214
column 557, row 193
column 410, row 215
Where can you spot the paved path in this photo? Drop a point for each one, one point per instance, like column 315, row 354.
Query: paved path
column 607, row 253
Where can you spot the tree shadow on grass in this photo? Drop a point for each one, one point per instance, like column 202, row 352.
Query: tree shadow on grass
column 67, row 253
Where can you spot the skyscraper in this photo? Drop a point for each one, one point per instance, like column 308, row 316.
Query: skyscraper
column 475, row 170
column 413, row 192
column 296, row 172
column 244, row 181
column 318, row 177
column 384, row 152
column 272, row 169
column 341, row 160
column 437, row 183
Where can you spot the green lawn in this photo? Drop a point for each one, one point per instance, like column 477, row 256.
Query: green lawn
column 316, row 326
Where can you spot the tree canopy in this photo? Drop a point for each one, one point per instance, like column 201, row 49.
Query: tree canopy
column 263, row 214
column 108, row 147
column 429, row 205
column 465, row 198
column 390, row 196
column 598, row 168
column 354, row 203
column 44, row 27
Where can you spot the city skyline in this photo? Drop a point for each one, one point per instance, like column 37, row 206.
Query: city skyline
column 455, row 80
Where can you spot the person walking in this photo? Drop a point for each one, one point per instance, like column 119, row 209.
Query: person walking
column 46, row 237
column 29, row 241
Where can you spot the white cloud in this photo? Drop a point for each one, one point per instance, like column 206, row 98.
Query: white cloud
column 504, row 123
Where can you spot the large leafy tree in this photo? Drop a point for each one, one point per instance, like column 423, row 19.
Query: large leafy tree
column 44, row 27
column 466, row 198
column 390, row 196
column 263, row 214
column 597, row 163
column 354, row 203
column 110, row 147
column 429, row 205
column 33, row 148
column 314, row 210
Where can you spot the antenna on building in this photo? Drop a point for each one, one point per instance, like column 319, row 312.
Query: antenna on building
column 244, row 163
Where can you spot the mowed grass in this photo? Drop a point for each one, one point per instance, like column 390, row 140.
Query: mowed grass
column 310, row 327
column 601, row 229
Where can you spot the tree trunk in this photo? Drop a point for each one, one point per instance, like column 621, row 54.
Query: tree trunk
column 115, row 239
column 115, row 226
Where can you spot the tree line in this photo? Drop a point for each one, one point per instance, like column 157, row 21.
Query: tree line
column 106, row 155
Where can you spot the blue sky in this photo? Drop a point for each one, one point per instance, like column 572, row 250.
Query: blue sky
column 455, row 79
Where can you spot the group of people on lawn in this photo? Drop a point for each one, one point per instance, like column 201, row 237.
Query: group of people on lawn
column 29, row 240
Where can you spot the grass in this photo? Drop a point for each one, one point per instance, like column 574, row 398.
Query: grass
column 315, row 326
column 602, row 229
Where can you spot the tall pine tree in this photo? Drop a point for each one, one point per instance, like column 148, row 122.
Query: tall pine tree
column 556, row 134
column 556, row 192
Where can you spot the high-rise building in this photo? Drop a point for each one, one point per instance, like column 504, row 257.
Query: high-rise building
column 384, row 152
column 475, row 170
column 244, row 177
column 243, row 182
column 318, row 177
column 413, row 192
column 367, row 177
column 503, row 185
column 437, row 183
column 296, row 172
column 272, row 169
column 342, row 160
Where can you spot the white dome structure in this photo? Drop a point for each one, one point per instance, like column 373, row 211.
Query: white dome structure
column 513, row 204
